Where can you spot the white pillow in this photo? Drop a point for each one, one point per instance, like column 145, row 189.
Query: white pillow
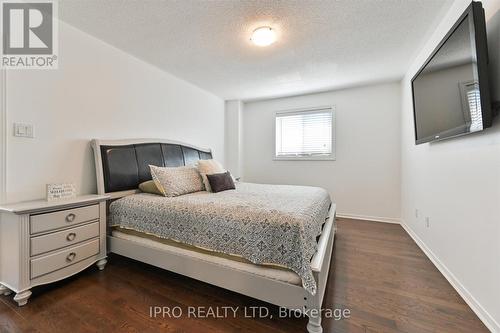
column 176, row 181
column 209, row 167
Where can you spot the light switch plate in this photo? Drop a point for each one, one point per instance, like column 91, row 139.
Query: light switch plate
column 23, row 130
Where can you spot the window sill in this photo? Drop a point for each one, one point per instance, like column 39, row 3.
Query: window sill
column 305, row 158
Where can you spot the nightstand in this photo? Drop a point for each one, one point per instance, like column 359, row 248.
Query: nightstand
column 43, row 242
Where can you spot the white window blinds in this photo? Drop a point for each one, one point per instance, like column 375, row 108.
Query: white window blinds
column 471, row 103
column 474, row 100
column 305, row 134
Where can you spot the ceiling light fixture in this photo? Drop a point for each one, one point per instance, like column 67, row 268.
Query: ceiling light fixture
column 263, row 36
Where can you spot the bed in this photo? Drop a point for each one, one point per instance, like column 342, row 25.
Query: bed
column 270, row 242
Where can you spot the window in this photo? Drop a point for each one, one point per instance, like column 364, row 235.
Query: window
column 305, row 134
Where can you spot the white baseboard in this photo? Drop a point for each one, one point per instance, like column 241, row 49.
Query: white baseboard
column 483, row 315
column 370, row 218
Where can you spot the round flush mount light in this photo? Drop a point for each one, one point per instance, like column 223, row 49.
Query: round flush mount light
column 263, row 36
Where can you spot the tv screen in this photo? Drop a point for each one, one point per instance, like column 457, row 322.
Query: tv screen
column 451, row 92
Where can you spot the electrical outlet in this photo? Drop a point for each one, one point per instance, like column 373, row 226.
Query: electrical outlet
column 23, row 130
column 416, row 213
column 427, row 222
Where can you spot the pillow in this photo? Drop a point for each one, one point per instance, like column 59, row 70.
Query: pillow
column 149, row 187
column 208, row 167
column 176, row 181
column 221, row 182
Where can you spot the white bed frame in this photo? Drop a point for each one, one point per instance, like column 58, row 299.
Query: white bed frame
column 266, row 289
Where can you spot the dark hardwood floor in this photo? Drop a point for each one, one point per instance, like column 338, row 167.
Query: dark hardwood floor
column 378, row 273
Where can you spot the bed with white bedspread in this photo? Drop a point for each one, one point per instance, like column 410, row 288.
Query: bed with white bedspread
column 265, row 224
column 271, row 227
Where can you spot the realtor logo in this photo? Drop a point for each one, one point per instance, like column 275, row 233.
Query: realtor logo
column 29, row 34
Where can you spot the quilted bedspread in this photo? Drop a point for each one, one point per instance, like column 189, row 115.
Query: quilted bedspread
column 265, row 224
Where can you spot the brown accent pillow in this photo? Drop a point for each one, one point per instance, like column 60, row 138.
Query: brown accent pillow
column 221, row 182
column 208, row 167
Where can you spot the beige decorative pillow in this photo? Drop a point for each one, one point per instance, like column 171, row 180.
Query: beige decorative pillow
column 149, row 187
column 209, row 167
column 177, row 181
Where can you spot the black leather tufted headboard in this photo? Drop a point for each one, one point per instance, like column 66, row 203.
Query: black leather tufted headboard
column 125, row 166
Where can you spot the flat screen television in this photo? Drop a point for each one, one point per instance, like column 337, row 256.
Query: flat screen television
column 451, row 91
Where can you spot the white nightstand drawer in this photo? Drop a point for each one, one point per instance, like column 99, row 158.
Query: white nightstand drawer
column 63, row 258
column 60, row 239
column 64, row 218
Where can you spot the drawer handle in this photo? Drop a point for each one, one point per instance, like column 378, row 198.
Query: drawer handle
column 71, row 257
column 71, row 236
column 70, row 218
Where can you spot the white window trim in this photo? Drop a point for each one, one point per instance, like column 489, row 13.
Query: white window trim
column 331, row 157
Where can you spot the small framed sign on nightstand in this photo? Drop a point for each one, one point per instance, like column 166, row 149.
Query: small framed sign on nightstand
column 60, row 191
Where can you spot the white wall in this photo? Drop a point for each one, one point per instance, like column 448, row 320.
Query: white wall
column 3, row 137
column 97, row 92
column 456, row 183
column 234, row 137
column 364, row 180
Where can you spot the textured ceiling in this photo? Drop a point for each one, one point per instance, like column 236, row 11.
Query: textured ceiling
column 321, row 44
